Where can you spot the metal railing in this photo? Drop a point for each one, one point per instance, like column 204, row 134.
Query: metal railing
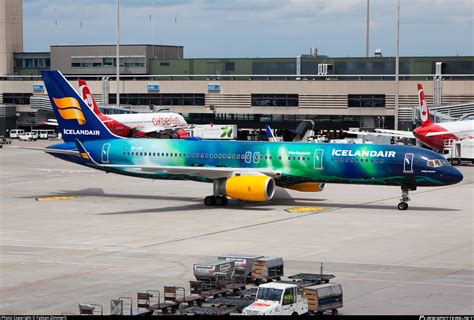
column 241, row 77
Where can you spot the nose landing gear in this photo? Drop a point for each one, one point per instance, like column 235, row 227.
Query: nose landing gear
column 403, row 205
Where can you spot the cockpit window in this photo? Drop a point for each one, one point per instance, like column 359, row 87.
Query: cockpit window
column 437, row 163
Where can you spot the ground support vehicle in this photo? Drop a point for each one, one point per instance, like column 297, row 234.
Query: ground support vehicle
column 27, row 136
column 277, row 299
column 324, row 297
column 15, row 133
column 459, row 151
column 267, row 269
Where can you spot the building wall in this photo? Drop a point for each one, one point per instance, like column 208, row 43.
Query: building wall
column 11, row 33
column 64, row 57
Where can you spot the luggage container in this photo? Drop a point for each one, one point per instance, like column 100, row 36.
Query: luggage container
column 324, row 297
column 267, row 269
column 214, row 274
column 241, row 261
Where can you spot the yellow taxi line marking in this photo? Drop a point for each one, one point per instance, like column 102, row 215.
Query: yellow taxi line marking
column 56, row 198
column 306, row 209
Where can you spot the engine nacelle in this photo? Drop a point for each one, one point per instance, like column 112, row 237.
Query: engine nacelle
column 247, row 188
column 307, row 187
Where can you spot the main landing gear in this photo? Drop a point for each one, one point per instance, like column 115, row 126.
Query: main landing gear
column 403, row 205
column 218, row 200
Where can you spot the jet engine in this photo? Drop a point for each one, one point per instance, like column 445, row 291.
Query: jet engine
column 247, row 188
column 308, row 187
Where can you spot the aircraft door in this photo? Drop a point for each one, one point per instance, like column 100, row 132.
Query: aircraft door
column 408, row 163
column 318, row 159
column 105, row 153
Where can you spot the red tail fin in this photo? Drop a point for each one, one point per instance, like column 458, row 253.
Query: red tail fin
column 87, row 97
column 424, row 112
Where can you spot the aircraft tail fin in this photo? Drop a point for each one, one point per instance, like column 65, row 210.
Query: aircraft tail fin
column 75, row 119
column 424, row 112
column 87, row 97
column 270, row 136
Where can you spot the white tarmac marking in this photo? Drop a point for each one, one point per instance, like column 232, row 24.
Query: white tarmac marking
column 18, row 252
column 374, row 271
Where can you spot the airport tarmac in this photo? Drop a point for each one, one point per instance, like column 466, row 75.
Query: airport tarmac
column 113, row 236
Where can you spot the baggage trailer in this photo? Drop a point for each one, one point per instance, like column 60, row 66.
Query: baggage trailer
column 241, row 261
column 314, row 278
column 324, row 297
column 267, row 269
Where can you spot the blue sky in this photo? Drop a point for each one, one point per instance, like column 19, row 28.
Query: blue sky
column 256, row 28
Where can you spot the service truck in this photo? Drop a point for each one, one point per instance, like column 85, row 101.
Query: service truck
column 276, row 298
column 458, row 151
column 214, row 131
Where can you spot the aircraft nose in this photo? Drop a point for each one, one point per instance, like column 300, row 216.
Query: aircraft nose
column 454, row 175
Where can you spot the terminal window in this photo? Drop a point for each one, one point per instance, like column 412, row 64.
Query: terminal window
column 147, row 99
column 366, row 101
column 274, row 100
column 17, row 98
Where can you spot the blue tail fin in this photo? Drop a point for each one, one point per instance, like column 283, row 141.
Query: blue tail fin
column 75, row 119
column 270, row 135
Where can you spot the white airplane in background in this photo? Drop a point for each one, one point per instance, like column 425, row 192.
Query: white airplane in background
column 434, row 135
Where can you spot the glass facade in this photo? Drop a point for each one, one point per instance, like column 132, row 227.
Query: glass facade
column 366, row 101
column 17, row 98
column 159, row 99
column 274, row 100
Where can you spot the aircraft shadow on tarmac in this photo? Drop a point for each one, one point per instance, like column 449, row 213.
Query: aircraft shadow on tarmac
column 282, row 198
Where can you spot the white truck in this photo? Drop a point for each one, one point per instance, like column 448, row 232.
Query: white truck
column 458, row 151
column 214, row 131
column 277, row 299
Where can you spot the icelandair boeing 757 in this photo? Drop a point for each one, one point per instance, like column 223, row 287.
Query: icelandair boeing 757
column 242, row 170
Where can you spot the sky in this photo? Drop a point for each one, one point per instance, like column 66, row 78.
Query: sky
column 256, row 28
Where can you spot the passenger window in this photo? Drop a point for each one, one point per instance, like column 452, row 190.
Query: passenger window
column 270, row 157
column 238, row 156
column 207, row 155
column 279, row 157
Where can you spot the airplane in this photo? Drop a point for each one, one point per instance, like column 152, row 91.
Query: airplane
column 270, row 135
column 141, row 124
column 434, row 135
column 138, row 125
column 243, row 170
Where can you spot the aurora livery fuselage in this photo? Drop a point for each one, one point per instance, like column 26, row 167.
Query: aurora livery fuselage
column 238, row 169
column 295, row 162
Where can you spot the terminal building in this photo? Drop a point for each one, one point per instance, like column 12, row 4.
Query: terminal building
column 336, row 92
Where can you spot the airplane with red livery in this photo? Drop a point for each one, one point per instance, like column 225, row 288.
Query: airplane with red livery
column 147, row 124
column 433, row 135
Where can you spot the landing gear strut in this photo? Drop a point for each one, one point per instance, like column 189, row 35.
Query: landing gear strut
column 218, row 200
column 403, row 205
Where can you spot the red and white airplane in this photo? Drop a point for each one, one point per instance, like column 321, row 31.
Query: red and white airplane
column 434, row 135
column 147, row 124
column 141, row 125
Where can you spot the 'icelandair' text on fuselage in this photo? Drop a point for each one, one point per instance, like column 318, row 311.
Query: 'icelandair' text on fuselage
column 363, row 153
column 82, row 132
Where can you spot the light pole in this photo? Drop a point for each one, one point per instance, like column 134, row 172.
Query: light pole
column 397, row 66
column 117, row 58
column 367, row 30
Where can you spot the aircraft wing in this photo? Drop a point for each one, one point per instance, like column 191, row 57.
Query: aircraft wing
column 397, row 133
column 385, row 133
column 205, row 172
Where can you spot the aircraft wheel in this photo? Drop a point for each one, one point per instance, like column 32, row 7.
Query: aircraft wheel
column 209, row 201
column 402, row 206
column 221, row 201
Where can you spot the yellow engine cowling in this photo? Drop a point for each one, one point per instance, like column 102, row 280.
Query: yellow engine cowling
column 248, row 188
column 308, row 187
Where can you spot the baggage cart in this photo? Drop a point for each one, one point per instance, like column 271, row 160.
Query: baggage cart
column 324, row 297
column 267, row 269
